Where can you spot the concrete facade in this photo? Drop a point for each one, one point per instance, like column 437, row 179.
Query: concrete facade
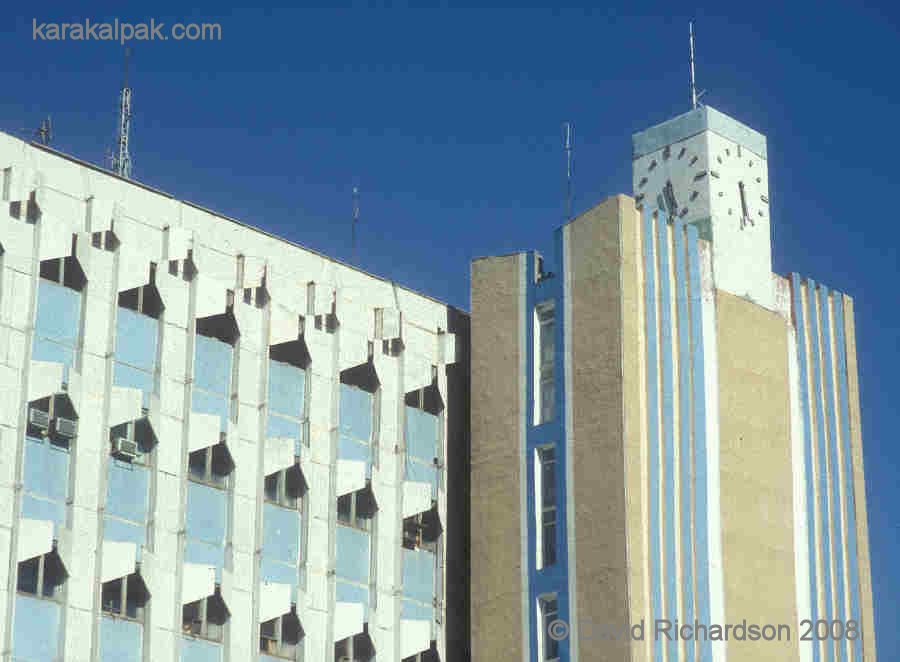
column 216, row 445
column 703, row 445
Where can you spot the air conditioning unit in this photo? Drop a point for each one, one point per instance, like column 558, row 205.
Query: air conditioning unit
column 125, row 448
column 39, row 418
column 65, row 427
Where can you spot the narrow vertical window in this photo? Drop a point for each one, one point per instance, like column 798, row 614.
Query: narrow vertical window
column 549, row 647
column 545, row 392
column 7, row 181
column 545, row 504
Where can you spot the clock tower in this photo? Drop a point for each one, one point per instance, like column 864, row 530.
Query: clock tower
column 710, row 170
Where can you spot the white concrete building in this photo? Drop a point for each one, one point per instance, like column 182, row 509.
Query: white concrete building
column 216, row 445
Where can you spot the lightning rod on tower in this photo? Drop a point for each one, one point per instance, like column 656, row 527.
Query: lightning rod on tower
column 355, row 219
column 569, row 149
column 121, row 158
column 695, row 96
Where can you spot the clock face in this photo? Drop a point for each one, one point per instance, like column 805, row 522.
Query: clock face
column 739, row 186
column 703, row 177
column 674, row 179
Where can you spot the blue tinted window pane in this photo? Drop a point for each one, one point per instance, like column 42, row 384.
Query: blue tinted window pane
column 58, row 312
column 418, row 574
column 421, row 434
column 278, row 572
column 286, row 387
column 120, row 640
column 356, row 412
column 344, row 592
column 203, row 553
column 350, row 448
column 352, row 554
column 36, row 630
column 54, row 352
column 51, row 511
column 127, row 491
column 46, row 470
column 281, row 533
column 198, row 650
column 206, row 513
column 118, row 530
column 277, row 426
column 209, row 403
column 125, row 375
column 212, row 365
column 136, row 339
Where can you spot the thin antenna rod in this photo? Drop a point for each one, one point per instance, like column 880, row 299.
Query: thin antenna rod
column 121, row 159
column 693, row 87
column 569, row 149
column 45, row 133
column 355, row 219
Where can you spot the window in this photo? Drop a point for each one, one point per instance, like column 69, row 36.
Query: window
column 105, row 240
column 125, row 597
column 214, row 350
column 422, row 530
column 545, row 488
column 285, row 487
column 205, row 618
column 64, row 270
column 7, row 184
column 280, row 636
column 53, row 418
column 357, row 648
column 132, row 441
column 431, row 655
column 549, row 646
column 356, row 509
column 145, row 300
column 211, row 465
column 544, row 364
column 42, row 576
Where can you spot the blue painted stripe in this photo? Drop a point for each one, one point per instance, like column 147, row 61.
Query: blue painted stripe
column 668, row 430
column 852, row 569
column 698, row 368
column 800, row 316
column 652, row 421
column 684, row 418
column 834, row 505
column 822, row 459
column 555, row 577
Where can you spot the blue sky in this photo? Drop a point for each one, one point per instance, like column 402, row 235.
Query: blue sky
column 449, row 119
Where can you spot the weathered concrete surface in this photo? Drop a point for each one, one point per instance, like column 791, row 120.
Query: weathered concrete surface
column 867, row 614
column 597, row 454
column 496, row 599
column 756, row 482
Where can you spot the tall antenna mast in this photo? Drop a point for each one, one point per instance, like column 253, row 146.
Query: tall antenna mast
column 569, row 149
column 355, row 219
column 693, row 87
column 121, row 159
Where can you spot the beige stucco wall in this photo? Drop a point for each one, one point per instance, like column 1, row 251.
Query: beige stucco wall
column 496, row 599
column 594, row 247
column 859, row 493
column 756, row 482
